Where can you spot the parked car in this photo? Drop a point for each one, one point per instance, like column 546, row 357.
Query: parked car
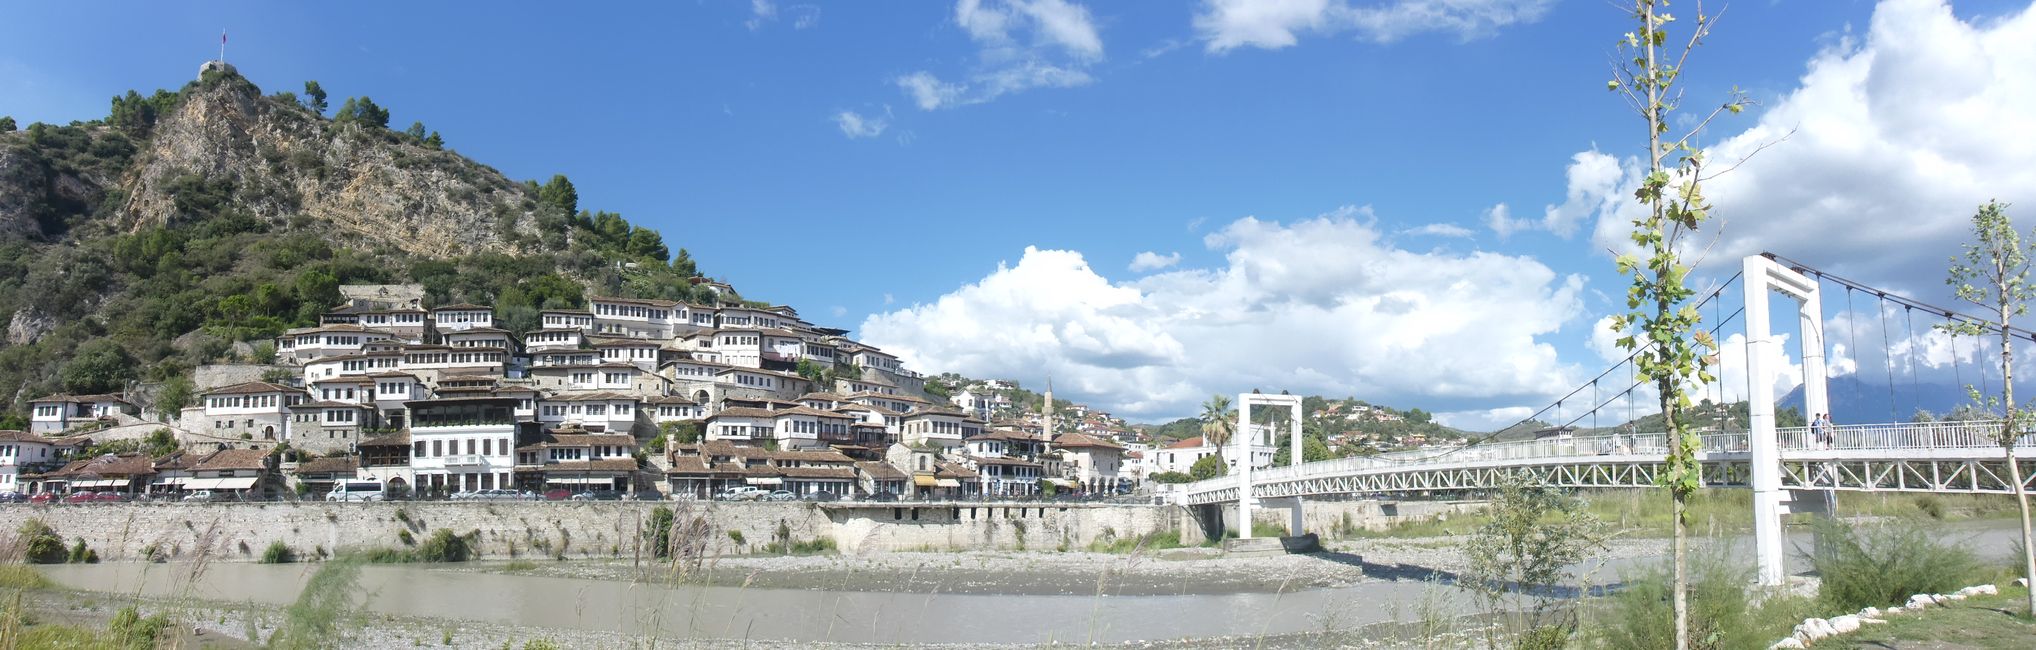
column 79, row 497
column 13, row 497
column 821, row 497
column 108, row 497
column 742, row 493
column 598, row 495
column 43, row 497
column 557, row 494
column 204, row 495
column 782, row 495
column 885, row 496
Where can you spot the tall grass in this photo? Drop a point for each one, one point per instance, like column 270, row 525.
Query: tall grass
column 1881, row 565
column 1723, row 615
column 316, row 619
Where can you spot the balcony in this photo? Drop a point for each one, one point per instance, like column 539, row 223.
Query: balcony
column 466, row 460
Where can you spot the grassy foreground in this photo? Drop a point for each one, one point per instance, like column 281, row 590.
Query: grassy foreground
column 1984, row 622
column 1645, row 513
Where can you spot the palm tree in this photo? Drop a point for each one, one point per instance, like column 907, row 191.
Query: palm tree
column 1217, row 424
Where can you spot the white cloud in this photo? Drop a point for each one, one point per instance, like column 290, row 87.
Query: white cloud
column 838, row 311
column 1273, row 24
column 1150, row 261
column 1594, row 179
column 856, row 125
column 1021, row 45
column 1440, row 230
column 764, row 12
column 1500, row 219
column 1322, row 306
column 1897, row 138
column 760, row 12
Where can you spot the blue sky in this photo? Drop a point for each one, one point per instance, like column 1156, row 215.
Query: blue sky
column 721, row 124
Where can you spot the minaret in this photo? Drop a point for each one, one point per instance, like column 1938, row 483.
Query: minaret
column 1046, row 409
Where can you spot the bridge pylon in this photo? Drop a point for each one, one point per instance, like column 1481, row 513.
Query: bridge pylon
column 1247, row 442
column 1762, row 275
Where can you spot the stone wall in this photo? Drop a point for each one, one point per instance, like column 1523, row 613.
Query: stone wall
column 210, row 376
column 1330, row 519
column 576, row 529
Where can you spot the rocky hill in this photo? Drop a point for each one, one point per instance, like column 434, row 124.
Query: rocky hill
column 186, row 225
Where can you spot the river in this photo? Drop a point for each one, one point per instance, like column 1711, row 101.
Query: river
column 796, row 615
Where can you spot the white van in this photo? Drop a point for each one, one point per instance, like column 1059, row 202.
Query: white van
column 355, row 490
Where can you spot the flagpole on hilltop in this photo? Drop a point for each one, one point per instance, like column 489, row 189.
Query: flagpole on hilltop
column 222, row 46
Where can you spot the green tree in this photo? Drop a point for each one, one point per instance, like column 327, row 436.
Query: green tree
column 364, row 111
column 681, row 433
column 1217, row 425
column 1208, row 467
column 1312, row 449
column 7, row 124
column 683, row 264
column 416, row 131
column 1661, row 326
column 317, row 292
column 314, row 97
column 809, row 370
column 1994, row 275
column 99, row 366
column 647, row 243
column 176, row 395
column 560, row 195
column 434, row 141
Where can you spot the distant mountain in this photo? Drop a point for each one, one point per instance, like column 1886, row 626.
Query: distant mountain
column 1857, row 400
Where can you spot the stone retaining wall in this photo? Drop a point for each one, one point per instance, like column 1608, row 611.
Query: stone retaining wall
column 575, row 529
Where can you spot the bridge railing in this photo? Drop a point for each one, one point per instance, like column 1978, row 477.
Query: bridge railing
column 1899, row 435
column 1902, row 435
column 1566, row 447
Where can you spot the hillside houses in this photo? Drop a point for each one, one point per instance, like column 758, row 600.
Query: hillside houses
column 436, row 399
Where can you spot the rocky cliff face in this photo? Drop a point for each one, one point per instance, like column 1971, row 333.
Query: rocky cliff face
column 280, row 162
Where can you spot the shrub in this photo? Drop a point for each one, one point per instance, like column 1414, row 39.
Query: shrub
column 444, row 546
column 1721, row 613
column 659, row 533
column 41, row 543
column 1172, row 477
column 133, row 631
column 278, row 553
column 405, row 537
column 1877, row 566
column 82, row 554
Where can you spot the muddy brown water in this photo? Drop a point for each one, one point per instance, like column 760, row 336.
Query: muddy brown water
column 776, row 614
column 800, row 615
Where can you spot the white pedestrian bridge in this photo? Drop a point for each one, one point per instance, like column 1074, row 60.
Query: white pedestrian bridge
column 1915, row 457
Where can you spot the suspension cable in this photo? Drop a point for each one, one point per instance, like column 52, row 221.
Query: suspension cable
column 1915, row 392
column 1887, row 356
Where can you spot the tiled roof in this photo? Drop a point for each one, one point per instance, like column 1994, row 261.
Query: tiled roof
column 698, row 465
column 743, row 412
column 633, row 301
column 880, row 470
column 1186, row 443
column 233, row 459
column 340, row 465
column 1084, row 440
column 828, row 456
column 463, row 306
column 397, row 439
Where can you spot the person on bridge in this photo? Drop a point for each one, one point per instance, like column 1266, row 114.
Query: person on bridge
column 1818, row 434
column 1830, row 432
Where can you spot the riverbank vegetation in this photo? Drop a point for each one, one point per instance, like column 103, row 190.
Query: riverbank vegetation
column 1643, row 513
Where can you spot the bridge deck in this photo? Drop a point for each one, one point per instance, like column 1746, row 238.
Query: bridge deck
column 1928, row 456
